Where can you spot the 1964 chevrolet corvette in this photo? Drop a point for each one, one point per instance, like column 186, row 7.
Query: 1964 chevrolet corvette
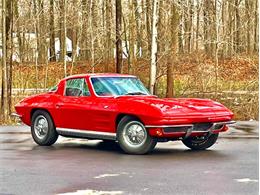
column 118, row 107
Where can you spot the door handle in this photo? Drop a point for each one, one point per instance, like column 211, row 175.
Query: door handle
column 106, row 107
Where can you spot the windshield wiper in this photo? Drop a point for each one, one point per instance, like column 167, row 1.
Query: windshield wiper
column 135, row 93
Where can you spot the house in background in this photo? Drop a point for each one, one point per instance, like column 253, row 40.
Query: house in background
column 30, row 45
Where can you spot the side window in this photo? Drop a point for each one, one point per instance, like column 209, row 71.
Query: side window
column 76, row 87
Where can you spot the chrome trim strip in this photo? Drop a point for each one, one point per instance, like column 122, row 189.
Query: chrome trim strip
column 16, row 115
column 225, row 123
column 86, row 133
column 165, row 126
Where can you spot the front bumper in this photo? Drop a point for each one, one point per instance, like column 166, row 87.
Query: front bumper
column 187, row 130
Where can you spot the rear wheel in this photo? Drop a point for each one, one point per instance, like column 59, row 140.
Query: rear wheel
column 43, row 129
column 133, row 137
column 200, row 142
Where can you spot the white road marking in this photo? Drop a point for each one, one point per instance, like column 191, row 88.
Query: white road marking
column 92, row 192
column 209, row 172
column 246, row 180
column 110, row 175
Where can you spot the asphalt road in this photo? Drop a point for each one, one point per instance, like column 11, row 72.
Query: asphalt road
column 92, row 167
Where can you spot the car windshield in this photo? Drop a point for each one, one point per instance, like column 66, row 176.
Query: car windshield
column 117, row 86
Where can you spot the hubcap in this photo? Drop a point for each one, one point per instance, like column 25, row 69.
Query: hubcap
column 40, row 126
column 134, row 134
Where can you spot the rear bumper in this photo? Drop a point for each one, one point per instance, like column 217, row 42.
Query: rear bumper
column 186, row 130
column 16, row 115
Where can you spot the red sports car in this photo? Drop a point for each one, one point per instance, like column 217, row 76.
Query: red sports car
column 118, row 107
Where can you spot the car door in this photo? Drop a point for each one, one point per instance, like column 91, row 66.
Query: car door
column 104, row 114
column 75, row 105
column 104, row 107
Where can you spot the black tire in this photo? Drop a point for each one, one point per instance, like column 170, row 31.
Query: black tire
column 198, row 143
column 50, row 136
column 147, row 144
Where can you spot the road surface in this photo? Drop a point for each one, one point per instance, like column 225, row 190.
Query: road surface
column 76, row 166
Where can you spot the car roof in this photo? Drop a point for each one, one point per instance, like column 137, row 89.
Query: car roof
column 97, row 75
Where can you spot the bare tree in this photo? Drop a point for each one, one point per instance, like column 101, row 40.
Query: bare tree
column 4, row 64
column 64, row 37
column 256, row 27
column 9, row 36
column 52, row 33
column 154, row 45
column 109, row 48
column 174, row 47
column 119, row 51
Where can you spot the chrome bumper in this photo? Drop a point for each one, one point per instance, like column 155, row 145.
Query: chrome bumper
column 188, row 129
column 16, row 115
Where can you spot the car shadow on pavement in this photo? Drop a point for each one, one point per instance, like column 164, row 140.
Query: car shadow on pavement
column 111, row 147
column 106, row 146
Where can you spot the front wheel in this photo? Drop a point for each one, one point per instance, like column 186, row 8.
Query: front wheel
column 200, row 142
column 133, row 137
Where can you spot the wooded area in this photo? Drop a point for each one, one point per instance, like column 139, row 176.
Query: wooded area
column 124, row 36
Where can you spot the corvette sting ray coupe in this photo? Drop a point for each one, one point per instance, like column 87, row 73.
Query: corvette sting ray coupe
column 118, row 107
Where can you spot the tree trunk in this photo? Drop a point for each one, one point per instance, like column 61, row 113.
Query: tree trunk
column 154, row 45
column 188, row 28
column 148, row 26
column 256, row 27
column 20, row 42
column 109, row 48
column 52, row 33
column 84, row 47
column 174, row 46
column 9, row 35
column 230, row 28
column 197, row 26
column 94, row 33
column 41, row 28
column 4, row 64
column 206, row 26
column 61, row 30
column 119, row 59
column 64, row 36
column 238, row 27
column 137, row 29
column 36, row 29
column 180, row 31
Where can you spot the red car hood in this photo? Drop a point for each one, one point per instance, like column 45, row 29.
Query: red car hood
column 185, row 107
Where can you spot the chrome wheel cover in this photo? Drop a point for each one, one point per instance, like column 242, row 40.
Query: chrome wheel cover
column 41, row 127
column 134, row 134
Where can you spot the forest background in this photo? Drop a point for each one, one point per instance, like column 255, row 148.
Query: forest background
column 189, row 48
